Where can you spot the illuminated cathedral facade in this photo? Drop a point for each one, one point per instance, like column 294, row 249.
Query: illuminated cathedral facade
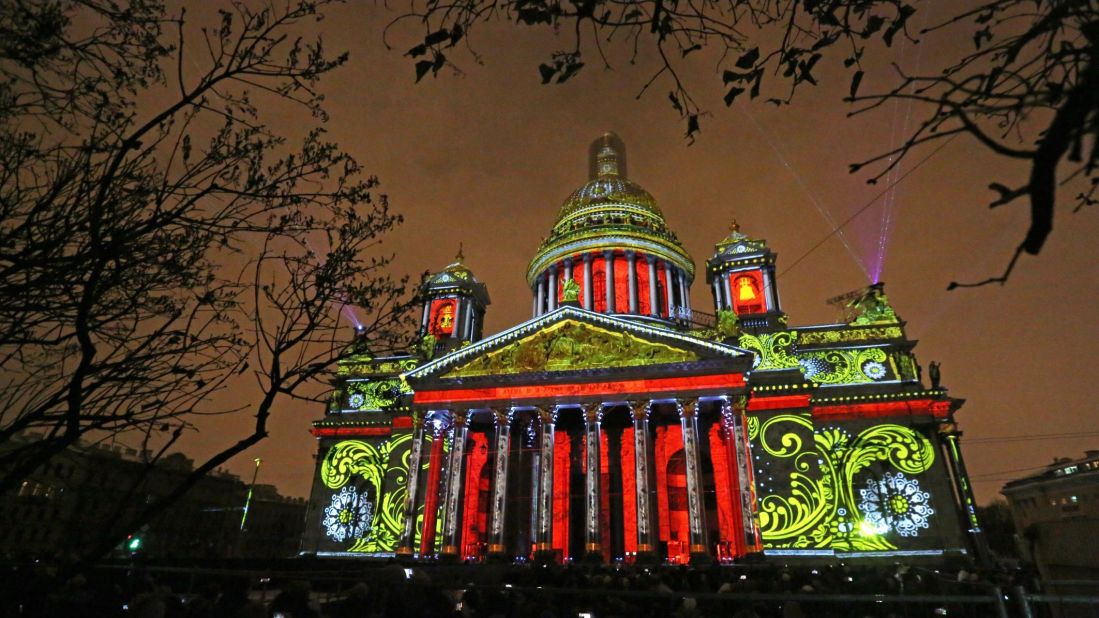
column 620, row 423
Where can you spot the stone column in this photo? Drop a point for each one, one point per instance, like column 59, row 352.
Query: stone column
column 684, row 291
column 593, row 416
column 726, row 300
column 469, row 321
column 589, row 298
column 668, row 283
column 608, row 263
column 631, row 263
column 961, row 485
column 496, row 545
column 654, row 306
column 543, row 542
column 408, row 532
column 452, row 508
column 552, row 290
column 427, row 312
column 568, row 269
column 733, row 426
column 439, row 425
column 640, row 411
column 688, row 415
column 541, row 304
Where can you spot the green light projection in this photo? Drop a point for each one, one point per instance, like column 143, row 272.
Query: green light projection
column 383, row 468
column 859, row 366
column 375, row 395
column 836, row 494
column 772, row 349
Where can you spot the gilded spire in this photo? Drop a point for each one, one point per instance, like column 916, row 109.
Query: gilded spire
column 459, row 256
column 607, row 157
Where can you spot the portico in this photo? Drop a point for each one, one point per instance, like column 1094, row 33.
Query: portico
column 581, row 462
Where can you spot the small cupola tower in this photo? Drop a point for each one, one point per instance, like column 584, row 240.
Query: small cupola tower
column 454, row 305
column 741, row 275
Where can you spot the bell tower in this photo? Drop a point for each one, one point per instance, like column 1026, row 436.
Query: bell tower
column 741, row 275
column 454, row 306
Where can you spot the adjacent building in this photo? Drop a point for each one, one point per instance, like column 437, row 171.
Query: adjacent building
column 621, row 423
column 64, row 507
column 1056, row 514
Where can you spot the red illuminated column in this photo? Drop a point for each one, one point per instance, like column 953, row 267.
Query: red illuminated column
column 631, row 264
column 589, row 299
column 431, row 491
column 593, row 416
column 641, row 411
column 668, row 292
column 608, row 268
column 745, row 478
column 688, row 417
column 543, row 542
column 452, row 508
column 500, row 482
column 407, row 533
column 654, row 304
column 562, row 470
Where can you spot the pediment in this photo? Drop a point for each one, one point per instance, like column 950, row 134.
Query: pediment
column 570, row 339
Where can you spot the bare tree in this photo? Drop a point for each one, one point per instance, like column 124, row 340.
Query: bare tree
column 1029, row 90
column 159, row 237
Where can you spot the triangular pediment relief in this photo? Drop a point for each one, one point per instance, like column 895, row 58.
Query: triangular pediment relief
column 571, row 339
column 572, row 346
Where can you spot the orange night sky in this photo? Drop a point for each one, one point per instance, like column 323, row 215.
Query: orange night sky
column 485, row 157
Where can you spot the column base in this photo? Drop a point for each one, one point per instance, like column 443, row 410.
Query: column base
column 497, row 553
column 404, row 554
column 646, row 554
column 593, row 552
column 544, row 554
column 699, row 555
column 449, row 554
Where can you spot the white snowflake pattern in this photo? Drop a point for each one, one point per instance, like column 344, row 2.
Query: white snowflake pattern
column 874, row 370
column 357, row 400
column 895, row 502
column 348, row 516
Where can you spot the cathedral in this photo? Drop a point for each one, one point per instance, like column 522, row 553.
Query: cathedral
column 622, row 424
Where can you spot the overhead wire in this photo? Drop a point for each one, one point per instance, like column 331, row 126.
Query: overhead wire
column 866, row 206
column 821, row 209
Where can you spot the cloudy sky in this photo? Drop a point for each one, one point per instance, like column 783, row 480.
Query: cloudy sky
column 484, row 155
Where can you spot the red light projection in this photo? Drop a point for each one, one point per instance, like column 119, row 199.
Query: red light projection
column 746, row 290
column 718, row 382
column 441, row 322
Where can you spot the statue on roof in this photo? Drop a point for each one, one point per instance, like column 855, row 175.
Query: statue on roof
column 570, row 292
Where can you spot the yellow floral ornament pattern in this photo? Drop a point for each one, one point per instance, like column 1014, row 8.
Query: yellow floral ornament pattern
column 817, row 506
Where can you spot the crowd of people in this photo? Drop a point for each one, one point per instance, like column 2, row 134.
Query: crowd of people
column 526, row 591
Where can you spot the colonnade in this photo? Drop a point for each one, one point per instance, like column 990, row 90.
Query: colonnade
column 675, row 294
column 542, row 422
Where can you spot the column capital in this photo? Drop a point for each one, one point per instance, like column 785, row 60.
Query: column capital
column 687, row 407
column 631, row 255
column 651, row 259
column 593, row 412
column 732, row 407
column 503, row 416
column 640, row 409
column 546, row 414
column 460, row 417
column 587, row 258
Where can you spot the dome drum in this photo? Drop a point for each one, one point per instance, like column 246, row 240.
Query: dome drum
column 611, row 239
column 614, row 280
